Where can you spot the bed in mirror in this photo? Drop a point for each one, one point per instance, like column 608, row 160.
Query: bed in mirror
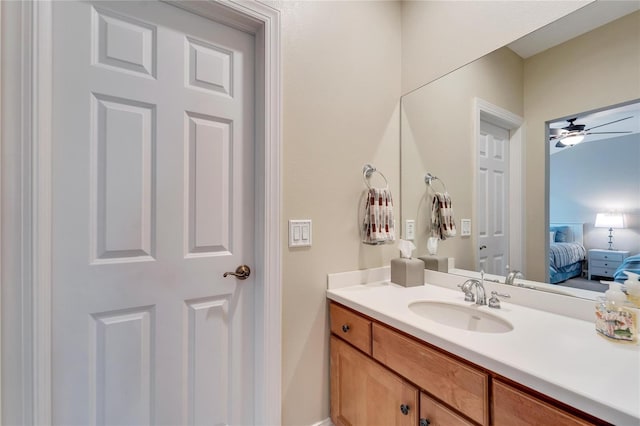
column 489, row 131
column 594, row 181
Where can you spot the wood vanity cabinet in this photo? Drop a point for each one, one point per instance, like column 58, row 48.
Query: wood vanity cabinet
column 351, row 327
column 364, row 393
column 380, row 376
column 462, row 387
column 515, row 407
column 436, row 413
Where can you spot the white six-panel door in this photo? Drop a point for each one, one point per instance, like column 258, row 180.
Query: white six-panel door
column 493, row 198
column 153, row 200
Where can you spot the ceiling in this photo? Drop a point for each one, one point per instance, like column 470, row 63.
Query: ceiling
column 598, row 118
column 583, row 20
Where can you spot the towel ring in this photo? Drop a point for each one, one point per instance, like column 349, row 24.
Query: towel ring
column 367, row 171
column 429, row 178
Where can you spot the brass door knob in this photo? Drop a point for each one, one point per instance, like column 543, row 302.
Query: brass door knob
column 242, row 272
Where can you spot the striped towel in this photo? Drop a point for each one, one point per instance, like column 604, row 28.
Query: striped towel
column 378, row 223
column 443, row 225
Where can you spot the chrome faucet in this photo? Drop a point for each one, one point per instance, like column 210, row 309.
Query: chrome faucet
column 512, row 276
column 480, row 297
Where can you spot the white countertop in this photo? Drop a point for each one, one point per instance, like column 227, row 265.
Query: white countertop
column 557, row 355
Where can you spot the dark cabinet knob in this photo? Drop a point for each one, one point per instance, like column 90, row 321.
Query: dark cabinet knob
column 405, row 409
column 345, row 328
column 424, row 422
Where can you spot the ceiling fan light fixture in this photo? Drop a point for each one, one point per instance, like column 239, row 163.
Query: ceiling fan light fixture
column 572, row 140
column 574, row 133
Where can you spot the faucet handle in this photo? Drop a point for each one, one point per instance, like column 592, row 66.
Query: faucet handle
column 469, row 297
column 467, row 285
column 494, row 302
column 466, row 288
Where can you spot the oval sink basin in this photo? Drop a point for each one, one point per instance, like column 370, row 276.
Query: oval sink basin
column 463, row 317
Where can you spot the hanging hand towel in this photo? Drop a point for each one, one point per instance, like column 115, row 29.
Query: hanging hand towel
column 443, row 225
column 378, row 223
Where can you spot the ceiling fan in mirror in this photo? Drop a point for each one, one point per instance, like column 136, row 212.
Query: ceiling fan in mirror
column 573, row 133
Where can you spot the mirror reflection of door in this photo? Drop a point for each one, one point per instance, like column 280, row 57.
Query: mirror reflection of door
column 492, row 200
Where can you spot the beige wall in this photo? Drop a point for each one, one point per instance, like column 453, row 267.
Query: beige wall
column 437, row 137
column 341, row 87
column 341, row 78
column 440, row 36
column 592, row 71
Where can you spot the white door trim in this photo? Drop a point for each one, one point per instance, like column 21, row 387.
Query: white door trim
column 514, row 123
column 26, row 204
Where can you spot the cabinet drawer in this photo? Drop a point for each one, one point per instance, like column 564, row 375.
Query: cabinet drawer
column 514, row 407
column 607, row 264
column 439, row 415
column 351, row 327
column 602, row 272
column 603, row 255
column 461, row 386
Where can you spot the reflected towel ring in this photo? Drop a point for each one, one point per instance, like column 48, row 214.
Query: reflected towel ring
column 367, row 171
column 429, row 178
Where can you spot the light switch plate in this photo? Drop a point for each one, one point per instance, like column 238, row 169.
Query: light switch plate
column 300, row 233
column 409, row 229
column 465, row 227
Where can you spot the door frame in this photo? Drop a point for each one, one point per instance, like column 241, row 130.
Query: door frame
column 483, row 110
column 26, row 204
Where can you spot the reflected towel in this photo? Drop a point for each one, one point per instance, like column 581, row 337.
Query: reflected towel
column 378, row 221
column 443, row 225
column 631, row 264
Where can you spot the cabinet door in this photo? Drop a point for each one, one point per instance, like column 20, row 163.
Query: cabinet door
column 365, row 393
column 437, row 414
column 512, row 407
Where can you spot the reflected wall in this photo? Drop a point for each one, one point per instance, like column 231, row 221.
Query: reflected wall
column 597, row 69
column 437, row 137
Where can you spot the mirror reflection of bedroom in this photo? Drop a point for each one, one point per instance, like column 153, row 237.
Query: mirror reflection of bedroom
column 594, row 196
